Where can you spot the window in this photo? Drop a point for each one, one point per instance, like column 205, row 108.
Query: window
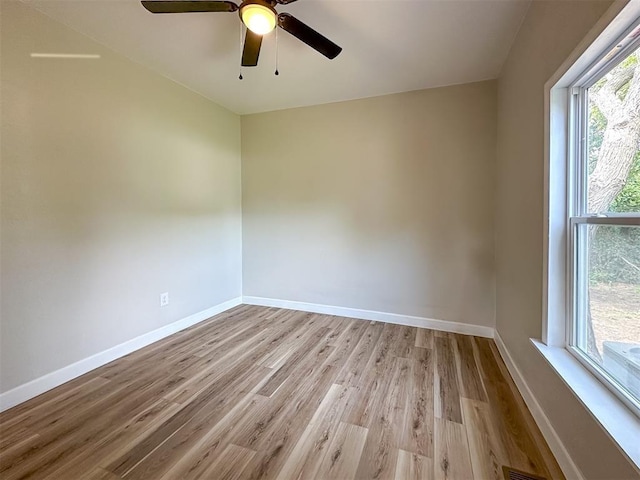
column 604, row 219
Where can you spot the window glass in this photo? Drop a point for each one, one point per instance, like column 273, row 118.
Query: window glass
column 609, row 332
column 613, row 151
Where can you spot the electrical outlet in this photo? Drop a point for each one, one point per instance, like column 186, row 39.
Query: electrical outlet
column 164, row 299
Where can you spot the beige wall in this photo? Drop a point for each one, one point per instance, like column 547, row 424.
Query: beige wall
column 549, row 33
column 117, row 185
column 381, row 204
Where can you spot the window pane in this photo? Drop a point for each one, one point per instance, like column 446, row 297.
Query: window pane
column 610, row 328
column 614, row 140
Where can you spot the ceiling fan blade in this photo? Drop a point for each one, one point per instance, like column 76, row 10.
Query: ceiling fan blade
column 285, row 2
column 251, row 51
column 179, row 6
column 308, row 35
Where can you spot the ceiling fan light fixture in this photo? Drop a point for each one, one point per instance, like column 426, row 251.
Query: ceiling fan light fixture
column 258, row 18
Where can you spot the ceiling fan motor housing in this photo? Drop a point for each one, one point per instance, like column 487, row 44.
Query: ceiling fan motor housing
column 258, row 15
column 264, row 3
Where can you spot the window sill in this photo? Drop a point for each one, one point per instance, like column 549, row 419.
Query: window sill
column 612, row 415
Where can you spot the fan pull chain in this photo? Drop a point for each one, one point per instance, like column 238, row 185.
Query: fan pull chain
column 240, row 68
column 277, row 72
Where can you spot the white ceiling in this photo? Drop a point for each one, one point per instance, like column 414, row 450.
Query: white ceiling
column 389, row 46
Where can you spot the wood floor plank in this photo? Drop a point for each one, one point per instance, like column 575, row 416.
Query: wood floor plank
column 305, row 322
column 98, row 474
column 276, row 435
column 248, row 353
column 209, row 370
column 452, row 460
column 448, row 393
column 20, row 443
column 176, row 343
column 214, row 342
column 306, row 457
column 424, row 338
column 346, row 343
column 288, row 408
column 343, row 455
column 53, row 410
column 110, row 445
column 53, row 435
column 53, row 401
column 377, row 376
column 417, row 434
column 151, row 458
column 233, row 344
column 230, row 464
column 293, row 361
column 406, row 343
column 352, row 370
column 338, row 326
column 437, row 399
column 194, row 462
column 411, row 466
column 279, row 321
column 64, row 441
column 485, row 447
column 470, row 382
column 274, row 431
column 385, row 429
column 191, row 413
column 257, row 393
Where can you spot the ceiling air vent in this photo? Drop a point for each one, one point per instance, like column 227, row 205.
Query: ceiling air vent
column 513, row 474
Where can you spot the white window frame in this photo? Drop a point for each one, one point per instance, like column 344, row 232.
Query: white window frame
column 615, row 417
column 578, row 214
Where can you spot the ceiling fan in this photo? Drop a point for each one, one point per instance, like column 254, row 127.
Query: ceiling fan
column 260, row 18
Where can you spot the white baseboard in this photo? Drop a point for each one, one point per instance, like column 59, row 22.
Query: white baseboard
column 51, row 380
column 566, row 463
column 443, row 325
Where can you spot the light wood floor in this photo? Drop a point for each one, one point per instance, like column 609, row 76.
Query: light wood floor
column 269, row 393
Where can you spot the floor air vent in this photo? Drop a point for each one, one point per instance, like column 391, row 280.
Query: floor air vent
column 513, row 474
